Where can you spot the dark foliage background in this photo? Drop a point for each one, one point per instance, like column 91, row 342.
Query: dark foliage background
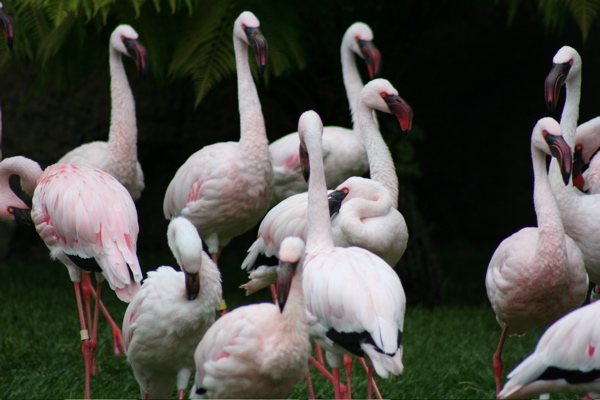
column 474, row 80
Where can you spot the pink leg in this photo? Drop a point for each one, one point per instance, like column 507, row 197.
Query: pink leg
column 498, row 365
column 87, row 362
column 319, row 353
column 118, row 343
column 181, row 394
column 371, row 381
column 321, row 368
column 336, row 384
column 348, row 365
column 309, row 385
column 215, row 258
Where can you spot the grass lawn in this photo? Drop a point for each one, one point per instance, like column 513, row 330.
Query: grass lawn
column 447, row 350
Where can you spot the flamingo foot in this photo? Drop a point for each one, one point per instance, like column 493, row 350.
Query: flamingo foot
column 87, row 349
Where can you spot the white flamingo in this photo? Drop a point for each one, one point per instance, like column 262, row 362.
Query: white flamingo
column 88, row 221
column 118, row 156
column 169, row 315
column 355, row 296
column 225, row 188
column 587, row 143
column 580, row 214
column 343, row 151
column 537, row 275
column 258, row 350
column 377, row 210
column 564, row 360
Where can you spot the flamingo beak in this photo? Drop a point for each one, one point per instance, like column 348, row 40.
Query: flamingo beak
column 372, row 57
column 401, row 110
column 192, row 285
column 284, row 281
column 336, row 198
column 22, row 216
column 139, row 55
column 304, row 163
column 578, row 164
column 562, row 152
column 260, row 46
column 8, row 28
column 554, row 82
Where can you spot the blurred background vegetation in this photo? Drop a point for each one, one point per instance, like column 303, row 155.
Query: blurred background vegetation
column 472, row 71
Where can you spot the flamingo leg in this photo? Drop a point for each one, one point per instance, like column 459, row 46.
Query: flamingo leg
column 348, row 366
column 498, row 365
column 85, row 338
column 181, row 394
column 336, row 384
column 92, row 343
column 215, row 258
column 371, row 383
column 319, row 353
column 118, row 343
column 309, row 385
column 321, row 368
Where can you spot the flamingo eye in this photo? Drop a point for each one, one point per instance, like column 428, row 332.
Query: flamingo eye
column 122, row 38
column 383, row 95
column 571, row 62
column 345, row 190
column 544, row 133
column 578, row 147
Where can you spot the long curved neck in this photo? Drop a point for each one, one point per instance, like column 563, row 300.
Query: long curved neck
column 294, row 312
column 381, row 163
column 253, row 134
column 318, row 234
column 28, row 171
column 352, row 80
column 551, row 239
column 122, row 136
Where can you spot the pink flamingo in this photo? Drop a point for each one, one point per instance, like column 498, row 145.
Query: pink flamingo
column 225, row 188
column 87, row 220
column 587, row 143
column 118, row 156
column 564, row 360
column 537, row 275
column 259, row 350
column 356, row 298
column 169, row 315
column 344, row 154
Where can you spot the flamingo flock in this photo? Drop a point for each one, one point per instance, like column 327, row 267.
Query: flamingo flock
column 337, row 236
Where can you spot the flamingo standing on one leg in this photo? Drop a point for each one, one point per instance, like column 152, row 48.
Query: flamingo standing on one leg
column 355, row 296
column 259, row 350
column 344, row 153
column 537, row 275
column 118, row 156
column 88, row 221
column 167, row 318
column 225, row 188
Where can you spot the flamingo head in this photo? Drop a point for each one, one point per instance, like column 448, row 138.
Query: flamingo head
column 359, row 39
column 379, row 94
column 22, row 216
column 555, row 143
column 336, row 197
column 8, row 27
column 186, row 245
column 566, row 65
column 291, row 253
column 124, row 39
column 578, row 164
column 249, row 26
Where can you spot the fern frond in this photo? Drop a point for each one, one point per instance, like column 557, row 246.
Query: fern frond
column 584, row 12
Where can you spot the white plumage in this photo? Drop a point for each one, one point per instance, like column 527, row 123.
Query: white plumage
column 565, row 359
column 225, row 188
column 343, row 151
column 355, row 296
column 587, row 143
column 118, row 156
column 166, row 320
column 537, row 274
column 373, row 222
column 259, row 350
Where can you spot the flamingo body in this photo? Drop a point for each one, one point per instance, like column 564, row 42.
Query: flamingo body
column 564, row 359
column 344, row 153
column 225, row 188
column 162, row 326
column 587, row 142
column 118, row 156
column 258, row 350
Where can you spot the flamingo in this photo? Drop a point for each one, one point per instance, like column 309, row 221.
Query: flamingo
column 88, row 221
column 259, row 350
column 356, row 298
column 118, row 156
column 564, row 360
column 170, row 314
column 7, row 24
column 537, row 275
column 378, row 209
column 343, row 151
column 225, row 188
column 587, row 142
column 580, row 214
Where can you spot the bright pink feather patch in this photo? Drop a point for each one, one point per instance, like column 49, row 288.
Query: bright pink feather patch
column 222, row 355
column 195, row 191
column 591, row 350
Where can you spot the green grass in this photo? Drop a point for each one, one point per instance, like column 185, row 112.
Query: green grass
column 447, row 350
